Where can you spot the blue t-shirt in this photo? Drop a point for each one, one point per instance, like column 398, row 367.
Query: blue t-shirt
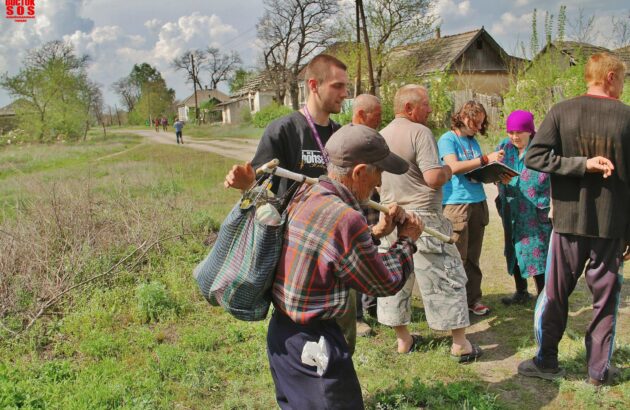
column 178, row 126
column 460, row 190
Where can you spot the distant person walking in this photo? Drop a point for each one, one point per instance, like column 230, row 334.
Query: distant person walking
column 156, row 122
column 179, row 125
column 164, row 124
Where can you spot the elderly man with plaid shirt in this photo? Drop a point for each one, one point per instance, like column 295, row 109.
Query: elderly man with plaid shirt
column 329, row 249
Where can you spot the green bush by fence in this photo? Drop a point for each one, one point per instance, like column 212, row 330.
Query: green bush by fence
column 263, row 117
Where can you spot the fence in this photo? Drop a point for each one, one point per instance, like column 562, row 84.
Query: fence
column 492, row 104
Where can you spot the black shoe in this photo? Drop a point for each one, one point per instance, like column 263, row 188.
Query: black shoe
column 370, row 311
column 518, row 298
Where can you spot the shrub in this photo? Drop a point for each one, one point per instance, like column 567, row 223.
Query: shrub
column 154, row 302
column 14, row 137
column 246, row 115
column 544, row 83
column 263, row 117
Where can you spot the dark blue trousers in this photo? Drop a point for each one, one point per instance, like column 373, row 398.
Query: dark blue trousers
column 298, row 386
column 569, row 256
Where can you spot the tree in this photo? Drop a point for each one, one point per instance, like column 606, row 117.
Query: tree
column 51, row 88
column 582, row 27
column 291, row 31
column 621, row 30
column 128, row 92
column 92, row 99
column 221, row 66
column 534, row 46
column 154, row 98
column 238, row 79
column 389, row 24
column 192, row 62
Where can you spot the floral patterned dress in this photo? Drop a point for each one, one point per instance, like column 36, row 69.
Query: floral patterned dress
column 523, row 205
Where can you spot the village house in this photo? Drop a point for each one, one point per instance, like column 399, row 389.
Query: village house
column 8, row 119
column 474, row 59
column 566, row 53
column 186, row 109
column 257, row 93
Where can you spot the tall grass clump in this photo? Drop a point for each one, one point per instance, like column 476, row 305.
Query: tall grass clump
column 71, row 234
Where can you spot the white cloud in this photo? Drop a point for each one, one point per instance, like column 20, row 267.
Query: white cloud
column 446, row 8
column 191, row 31
column 522, row 2
column 512, row 24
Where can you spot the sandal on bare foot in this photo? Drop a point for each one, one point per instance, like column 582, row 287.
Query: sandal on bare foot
column 416, row 340
column 468, row 357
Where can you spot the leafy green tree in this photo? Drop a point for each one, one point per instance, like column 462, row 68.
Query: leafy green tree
column 238, row 79
column 53, row 90
column 154, row 97
column 546, row 82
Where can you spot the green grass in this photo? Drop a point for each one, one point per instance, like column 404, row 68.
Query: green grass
column 145, row 338
column 222, row 131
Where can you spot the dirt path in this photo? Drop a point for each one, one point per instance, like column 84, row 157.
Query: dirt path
column 240, row 149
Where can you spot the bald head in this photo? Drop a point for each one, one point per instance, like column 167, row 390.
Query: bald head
column 366, row 110
column 412, row 102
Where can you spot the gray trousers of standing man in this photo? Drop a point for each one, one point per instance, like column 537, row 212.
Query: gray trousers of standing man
column 568, row 255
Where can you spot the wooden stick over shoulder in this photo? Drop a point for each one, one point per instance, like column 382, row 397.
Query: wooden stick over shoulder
column 272, row 168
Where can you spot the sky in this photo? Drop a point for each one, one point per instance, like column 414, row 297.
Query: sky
column 119, row 33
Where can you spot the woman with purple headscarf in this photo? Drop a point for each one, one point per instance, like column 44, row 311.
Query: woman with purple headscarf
column 523, row 205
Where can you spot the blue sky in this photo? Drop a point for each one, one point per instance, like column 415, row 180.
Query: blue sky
column 118, row 33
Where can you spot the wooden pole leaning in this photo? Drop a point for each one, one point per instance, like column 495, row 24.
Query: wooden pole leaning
column 272, row 167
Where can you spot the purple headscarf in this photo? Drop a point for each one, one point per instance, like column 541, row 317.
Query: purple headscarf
column 520, row 120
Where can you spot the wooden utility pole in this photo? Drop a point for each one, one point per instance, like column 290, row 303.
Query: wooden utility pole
column 367, row 48
column 192, row 63
column 111, row 119
column 357, row 81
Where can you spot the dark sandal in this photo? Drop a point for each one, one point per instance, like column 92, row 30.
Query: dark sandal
column 415, row 343
column 469, row 357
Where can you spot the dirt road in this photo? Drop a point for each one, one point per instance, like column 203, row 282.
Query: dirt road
column 240, row 149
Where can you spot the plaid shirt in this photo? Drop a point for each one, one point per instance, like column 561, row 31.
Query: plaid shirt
column 328, row 249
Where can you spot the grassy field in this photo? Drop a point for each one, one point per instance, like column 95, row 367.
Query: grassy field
column 135, row 333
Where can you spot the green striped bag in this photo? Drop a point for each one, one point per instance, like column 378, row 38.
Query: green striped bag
column 239, row 271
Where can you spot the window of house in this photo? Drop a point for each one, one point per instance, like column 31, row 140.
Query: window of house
column 479, row 44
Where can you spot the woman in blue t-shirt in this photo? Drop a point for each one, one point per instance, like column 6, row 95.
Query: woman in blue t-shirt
column 464, row 200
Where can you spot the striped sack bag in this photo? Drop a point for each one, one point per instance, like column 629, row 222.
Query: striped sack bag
column 239, row 271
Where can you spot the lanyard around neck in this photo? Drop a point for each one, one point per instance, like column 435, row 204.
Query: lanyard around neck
column 461, row 144
column 311, row 124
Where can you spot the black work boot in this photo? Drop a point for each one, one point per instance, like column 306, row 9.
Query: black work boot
column 518, row 298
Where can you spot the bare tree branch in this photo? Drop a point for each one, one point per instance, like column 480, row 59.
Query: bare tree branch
column 185, row 63
column 221, row 66
column 292, row 31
